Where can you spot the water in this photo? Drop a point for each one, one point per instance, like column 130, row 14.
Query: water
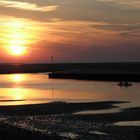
column 128, row 123
column 18, row 89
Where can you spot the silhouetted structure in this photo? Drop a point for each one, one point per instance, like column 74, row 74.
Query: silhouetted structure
column 52, row 59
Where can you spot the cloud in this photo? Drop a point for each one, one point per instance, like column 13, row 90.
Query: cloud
column 127, row 31
column 27, row 6
column 119, row 27
column 134, row 4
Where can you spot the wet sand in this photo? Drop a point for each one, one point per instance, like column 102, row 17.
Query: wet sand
column 58, row 121
column 8, row 132
column 56, row 108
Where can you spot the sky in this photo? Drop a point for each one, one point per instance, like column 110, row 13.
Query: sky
column 31, row 31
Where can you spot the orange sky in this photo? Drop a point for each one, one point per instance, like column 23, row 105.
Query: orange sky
column 31, row 31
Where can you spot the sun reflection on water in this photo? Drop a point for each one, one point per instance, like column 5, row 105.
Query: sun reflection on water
column 17, row 94
column 17, row 78
column 37, row 88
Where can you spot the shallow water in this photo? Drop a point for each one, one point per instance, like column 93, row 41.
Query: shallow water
column 111, row 110
column 17, row 89
column 128, row 123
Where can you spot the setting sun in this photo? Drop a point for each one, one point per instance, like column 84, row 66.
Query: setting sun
column 18, row 36
column 17, row 50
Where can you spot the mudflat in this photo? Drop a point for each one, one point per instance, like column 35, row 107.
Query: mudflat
column 58, row 120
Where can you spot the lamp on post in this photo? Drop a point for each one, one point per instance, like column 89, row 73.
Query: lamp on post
column 52, row 59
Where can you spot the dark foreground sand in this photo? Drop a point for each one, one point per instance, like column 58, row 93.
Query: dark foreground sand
column 57, row 121
column 8, row 132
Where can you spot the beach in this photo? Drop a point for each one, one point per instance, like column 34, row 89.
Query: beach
column 59, row 121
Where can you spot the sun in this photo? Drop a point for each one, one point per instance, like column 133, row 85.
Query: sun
column 17, row 50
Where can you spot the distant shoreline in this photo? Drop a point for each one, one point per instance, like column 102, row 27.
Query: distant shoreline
column 81, row 71
column 96, row 76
